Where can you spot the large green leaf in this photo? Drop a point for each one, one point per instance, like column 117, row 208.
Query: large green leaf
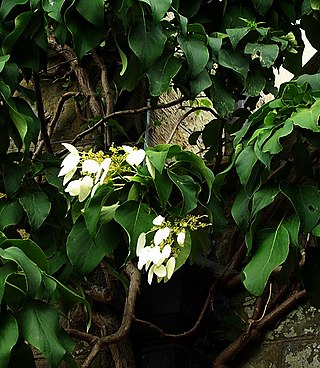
column 200, row 83
column 263, row 198
column 233, row 60
column 237, row 34
column 307, row 117
column 267, row 54
column 255, row 83
column 92, row 11
column 85, row 252
column 32, row 272
column 37, row 207
column 196, row 53
column 222, row 99
column 188, row 189
column 245, row 163
column 240, row 209
column 163, row 186
column 5, row 271
column 3, row 61
column 9, row 334
column 271, row 250
column 8, row 5
column 262, row 6
column 272, row 144
column 10, row 212
column 13, row 175
column 157, row 155
column 159, row 8
column 39, row 325
column 135, row 218
column 147, row 40
column 306, row 202
column 161, row 73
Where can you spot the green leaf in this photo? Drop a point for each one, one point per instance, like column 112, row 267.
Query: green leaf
column 245, row 163
column 157, row 155
column 3, row 61
column 196, row 53
column 85, row 252
column 8, row 5
column 233, row 60
column 13, row 175
column 163, row 186
column 10, row 212
column 263, row 198
column 32, row 272
column 5, row 271
column 9, row 334
column 307, row 118
column 237, row 34
column 107, row 213
column 272, row 144
column 306, row 202
column 20, row 24
column 292, row 224
column 200, row 83
column 159, row 8
column 51, row 174
column 267, row 54
column 315, row 4
column 92, row 208
column 93, row 12
column 255, row 83
column 272, row 249
column 39, row 325
column 161, row 73
column 18, row 119
column 188, row 189
column 135, row 218
column 262, row 6
column 240, row 209
column 147, row 40
column 222, row 100
column 37, row 207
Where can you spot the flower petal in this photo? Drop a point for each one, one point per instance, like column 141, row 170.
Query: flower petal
column 166, row 251
column 158, row 220
column 161, row 235
column 69, row 176
column 171, row 264
column 181, row 237
column 90, row 166
column 160, row 271
column 73, row 187
column 140, row 243
column 70, row 148
column 150, row 274
column 85, row 189
column 135, row 157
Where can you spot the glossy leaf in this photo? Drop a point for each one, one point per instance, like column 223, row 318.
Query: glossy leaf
column 307, row 118
column 8, row 5
column 240, row 209
column 222, row 99
column 237, row 34
column 5, row 271
column 159, row 8
column 37, row 207
column 10, row 212
column 233, row 60
column 255, row 83
column 94, row 13
column 39, row 325
column 9, row 334
column 270, row 250
column 272, row 144
column 263, row 198
column 267, row 54
column 245, row 163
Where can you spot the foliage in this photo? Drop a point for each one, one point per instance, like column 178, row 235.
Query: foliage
column 259, row 173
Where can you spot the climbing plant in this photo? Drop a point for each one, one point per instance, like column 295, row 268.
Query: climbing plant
column 248, row 203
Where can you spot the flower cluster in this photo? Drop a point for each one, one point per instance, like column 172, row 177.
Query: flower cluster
column 159, row 257
column 95, row 168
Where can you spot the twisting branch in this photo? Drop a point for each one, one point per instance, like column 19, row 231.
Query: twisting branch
column 44, row 133
column 93, row 353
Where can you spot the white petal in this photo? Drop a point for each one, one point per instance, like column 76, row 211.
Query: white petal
column 70, row 148
column 150, row 274
column 166, row 251
column 158, row 220
column 73, row 187
column 90, row 166
column 127, row 149
column 105, row 164
column 136, row 157
column 160, row 271
column 85, row 189
column 69, row 163
column 171, row 264
column 181, row 237
column 69, row 176
column 144, row 257
column 161, row 235
column 140, row 243
column 155, row 254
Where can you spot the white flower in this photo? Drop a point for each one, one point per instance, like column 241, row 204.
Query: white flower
column 181, row 238
column 104, row 166
column 140, row 243
column 170, row 267
column 160, row 271
column 81, row 187
column 70, row 162
column 161, row 235
column 90, row 166
column 135, row 157
column 158, row 220
column 166, row 251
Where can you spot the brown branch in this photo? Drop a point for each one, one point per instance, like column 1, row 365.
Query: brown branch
column 254, row 333
column 93, row 353
column 41, row 115
column 82, row 336
column 192, row 329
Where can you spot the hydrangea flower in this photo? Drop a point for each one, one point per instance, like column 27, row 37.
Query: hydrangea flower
column 70, row 163
column 81, row 187
column 135, row 156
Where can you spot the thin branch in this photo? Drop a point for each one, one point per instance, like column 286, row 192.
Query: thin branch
column 44, row 133
column 82, row 336
column 93, row 353
column 191, row 330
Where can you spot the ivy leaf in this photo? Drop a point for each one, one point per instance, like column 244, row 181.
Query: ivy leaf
column 10, row 212
column 188, row 189
column 307, row 118
column 159, row 8
column 263, row 198
column 37, row 207
column 94, row 13
column 31, row 270
column 39, row 325
column 272, row 249
column 196, row 53
column 135, row 218
column 306, row 202
column 267, row 54
column 85, row 252
column 9, row 334
column 161, row 73
column 272, row 144
column 147, row 40
column 233, row 60
column 237, row 34
column 240, row 209
column 245, row 163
